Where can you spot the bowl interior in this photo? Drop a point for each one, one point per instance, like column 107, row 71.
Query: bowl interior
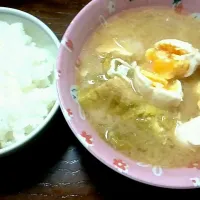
column 93, row 15
column 43, row 37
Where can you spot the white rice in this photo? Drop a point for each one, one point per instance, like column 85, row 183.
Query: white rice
column 26, row 90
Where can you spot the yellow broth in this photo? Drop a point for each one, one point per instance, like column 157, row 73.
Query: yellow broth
column 126, row 121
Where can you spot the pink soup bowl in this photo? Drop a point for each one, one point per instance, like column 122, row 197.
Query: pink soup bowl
column 83, row 25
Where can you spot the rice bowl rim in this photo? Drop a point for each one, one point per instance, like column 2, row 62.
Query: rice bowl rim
column 49, row 32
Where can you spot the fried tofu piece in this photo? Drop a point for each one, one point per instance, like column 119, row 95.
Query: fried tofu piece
column 109, row 52
column 197, row 89
column 197, row 92
column 114, row 49
column 117, row 98
column 116, row 92
column 143, row 110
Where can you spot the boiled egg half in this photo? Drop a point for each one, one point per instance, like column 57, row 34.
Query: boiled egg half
column 157, row 89
column 173, row 59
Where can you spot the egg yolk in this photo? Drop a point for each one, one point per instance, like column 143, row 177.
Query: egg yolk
column 160, row 82
column 155, row 78
column 164, row 62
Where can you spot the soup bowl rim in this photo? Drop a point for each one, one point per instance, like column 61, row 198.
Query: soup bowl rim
column 168, row 180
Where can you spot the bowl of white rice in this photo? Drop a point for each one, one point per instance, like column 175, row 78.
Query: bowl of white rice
column 28, row 99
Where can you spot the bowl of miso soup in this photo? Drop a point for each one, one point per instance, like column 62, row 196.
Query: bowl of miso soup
column 128, row 79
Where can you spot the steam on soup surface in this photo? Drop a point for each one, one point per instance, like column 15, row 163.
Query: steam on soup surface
column 139, row 85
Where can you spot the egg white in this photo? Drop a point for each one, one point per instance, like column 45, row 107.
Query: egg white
column 189, row 133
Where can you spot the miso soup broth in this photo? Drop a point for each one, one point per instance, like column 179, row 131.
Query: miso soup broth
column 139, row 80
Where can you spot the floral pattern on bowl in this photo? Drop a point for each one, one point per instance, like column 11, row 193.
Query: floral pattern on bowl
column 86, row 139
column 178, row 6
column 120, row 165
column 93, row 15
